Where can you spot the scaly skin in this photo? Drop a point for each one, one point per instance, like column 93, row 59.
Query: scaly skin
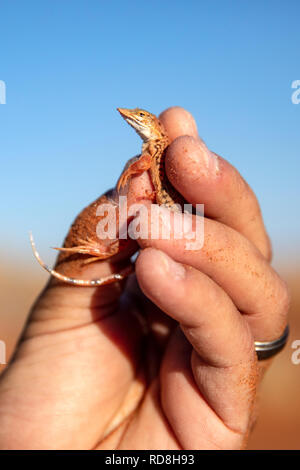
column 82, row 245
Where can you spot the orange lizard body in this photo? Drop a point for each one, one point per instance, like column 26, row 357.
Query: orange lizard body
column 82, row 241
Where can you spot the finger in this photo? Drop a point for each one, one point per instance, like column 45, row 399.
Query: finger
column 193, row 300
column 203, row 177
column 219, row 335
column 200, row 418
column 234, row 264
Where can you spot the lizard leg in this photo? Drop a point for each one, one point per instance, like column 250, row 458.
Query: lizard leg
column 82, row 282
column 136, row 168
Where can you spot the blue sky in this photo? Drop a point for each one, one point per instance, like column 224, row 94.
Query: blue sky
column 68, row 64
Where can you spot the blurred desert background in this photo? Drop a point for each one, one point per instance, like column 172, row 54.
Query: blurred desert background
column 278, row 426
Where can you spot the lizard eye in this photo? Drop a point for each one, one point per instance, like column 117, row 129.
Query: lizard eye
column 142, row 114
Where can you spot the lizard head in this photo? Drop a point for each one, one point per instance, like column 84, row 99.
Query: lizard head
column 146, row 124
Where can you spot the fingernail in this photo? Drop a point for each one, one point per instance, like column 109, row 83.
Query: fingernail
column 171, row 267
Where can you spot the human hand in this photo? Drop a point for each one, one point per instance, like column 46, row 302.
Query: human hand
column 170, row 354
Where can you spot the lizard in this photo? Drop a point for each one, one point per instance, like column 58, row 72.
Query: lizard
column 82, row 238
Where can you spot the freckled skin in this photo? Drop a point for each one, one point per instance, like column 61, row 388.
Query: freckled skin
column 82, row 245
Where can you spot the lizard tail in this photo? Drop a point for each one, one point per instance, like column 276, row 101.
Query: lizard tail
column 80, row 282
